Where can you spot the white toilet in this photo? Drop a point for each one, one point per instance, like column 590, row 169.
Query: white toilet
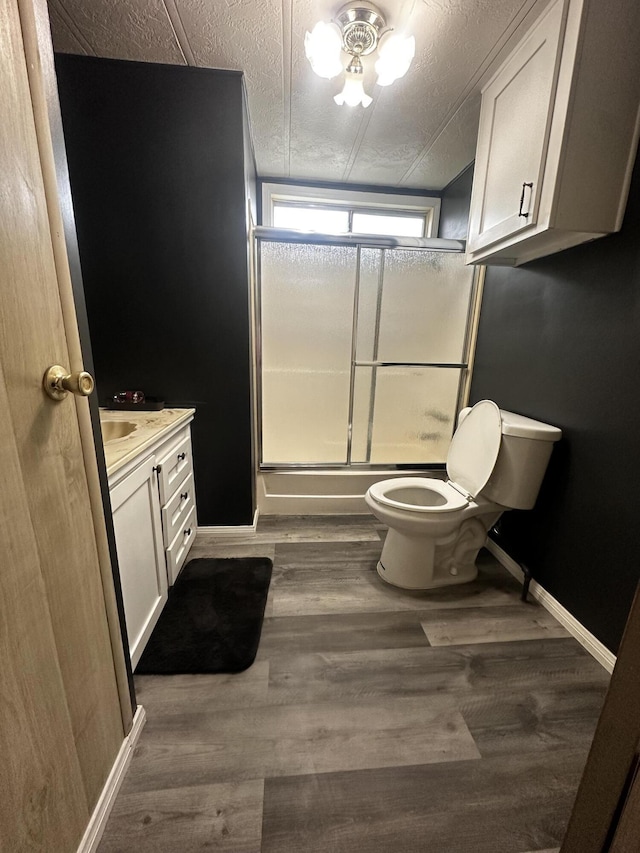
column 496, row 461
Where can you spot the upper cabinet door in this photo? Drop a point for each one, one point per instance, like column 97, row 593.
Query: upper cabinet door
column 517, row 108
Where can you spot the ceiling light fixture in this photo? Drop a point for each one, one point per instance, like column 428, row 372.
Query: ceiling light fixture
column 358, row 31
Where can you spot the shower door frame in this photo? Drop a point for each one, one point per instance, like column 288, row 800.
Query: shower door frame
column 360, row 241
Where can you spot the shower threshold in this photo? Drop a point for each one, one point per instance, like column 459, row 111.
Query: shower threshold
column 324, row 492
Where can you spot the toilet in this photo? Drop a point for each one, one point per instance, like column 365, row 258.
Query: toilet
column 496, row 461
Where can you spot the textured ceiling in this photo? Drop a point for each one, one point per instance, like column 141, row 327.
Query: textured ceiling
column 419, row 133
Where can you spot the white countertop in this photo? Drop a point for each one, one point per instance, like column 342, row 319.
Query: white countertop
column 150, row 426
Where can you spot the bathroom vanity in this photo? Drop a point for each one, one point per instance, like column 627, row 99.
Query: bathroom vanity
column 150, row 471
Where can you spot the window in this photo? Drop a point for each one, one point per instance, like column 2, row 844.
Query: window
column 311, row 218
column 384, row 223
column 332, row 211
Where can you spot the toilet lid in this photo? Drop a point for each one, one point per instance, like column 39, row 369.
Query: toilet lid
column 474, row 448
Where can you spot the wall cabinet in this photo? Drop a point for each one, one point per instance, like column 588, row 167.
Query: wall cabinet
column 154, row 517
column 557, row 134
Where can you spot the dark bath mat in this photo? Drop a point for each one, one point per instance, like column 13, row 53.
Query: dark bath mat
column 212, row 620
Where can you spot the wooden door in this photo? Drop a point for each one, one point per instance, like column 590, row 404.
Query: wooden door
column 60, row 716
column 515, row 122
column 626, row 835
column 606, row 812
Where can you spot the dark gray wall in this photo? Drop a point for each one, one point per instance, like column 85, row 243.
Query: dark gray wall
column 454, row 212
column 159, row 167
column 559, row 341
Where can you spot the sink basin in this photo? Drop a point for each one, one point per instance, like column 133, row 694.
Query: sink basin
column 111, row 430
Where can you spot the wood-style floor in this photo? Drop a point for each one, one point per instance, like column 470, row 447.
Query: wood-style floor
column 374, row 720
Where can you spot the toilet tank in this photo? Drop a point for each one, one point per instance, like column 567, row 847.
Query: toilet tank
column 462, row 414
column 525, row 449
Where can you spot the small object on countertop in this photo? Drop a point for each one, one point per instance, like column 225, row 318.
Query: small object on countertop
column 135, row 401
column 129, row 397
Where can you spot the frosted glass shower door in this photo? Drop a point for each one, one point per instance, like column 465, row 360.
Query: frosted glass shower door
column 413, row 414
column 306, row 320
column 363, row 352
column 413, row 318
column 425, row 307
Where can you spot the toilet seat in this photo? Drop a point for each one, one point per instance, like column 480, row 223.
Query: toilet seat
column 474, row 448
column 383, row 493
column 470, row 462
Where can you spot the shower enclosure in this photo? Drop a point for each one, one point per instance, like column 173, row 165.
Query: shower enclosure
column 363, row 349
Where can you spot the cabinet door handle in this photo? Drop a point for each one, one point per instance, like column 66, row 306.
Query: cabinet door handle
column 181, row 456
column 184, row 496
column 187, row 532
column 525, row 184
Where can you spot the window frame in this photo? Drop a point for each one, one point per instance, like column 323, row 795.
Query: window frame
column 353, row 200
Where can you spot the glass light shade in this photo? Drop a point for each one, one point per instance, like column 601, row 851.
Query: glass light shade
column 323, row 46
column 396, row 53
column 353, row 92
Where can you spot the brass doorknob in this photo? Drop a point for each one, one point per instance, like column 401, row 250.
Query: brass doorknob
column 57, row 382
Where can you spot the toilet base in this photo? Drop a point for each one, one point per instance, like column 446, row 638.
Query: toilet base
column 393, row 579
column 422, row 562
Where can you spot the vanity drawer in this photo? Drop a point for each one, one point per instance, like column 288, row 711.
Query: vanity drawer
column 175, row 467
column 179, row 548
column 177, row 510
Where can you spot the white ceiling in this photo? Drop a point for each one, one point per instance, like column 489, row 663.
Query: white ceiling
column 420, row 132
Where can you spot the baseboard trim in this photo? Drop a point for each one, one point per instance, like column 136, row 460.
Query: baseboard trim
column 592, row 644
column 233, row 531
column 98, row 820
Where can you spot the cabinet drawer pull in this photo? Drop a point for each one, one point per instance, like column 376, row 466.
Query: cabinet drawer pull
column 187, row 532
column 181, row 456
column 525, row 184
column 184, row 496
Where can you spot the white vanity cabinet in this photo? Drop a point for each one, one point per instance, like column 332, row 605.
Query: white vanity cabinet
column 177, row 499
column 141, row 557
column 558, row 134
column 154, row 517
